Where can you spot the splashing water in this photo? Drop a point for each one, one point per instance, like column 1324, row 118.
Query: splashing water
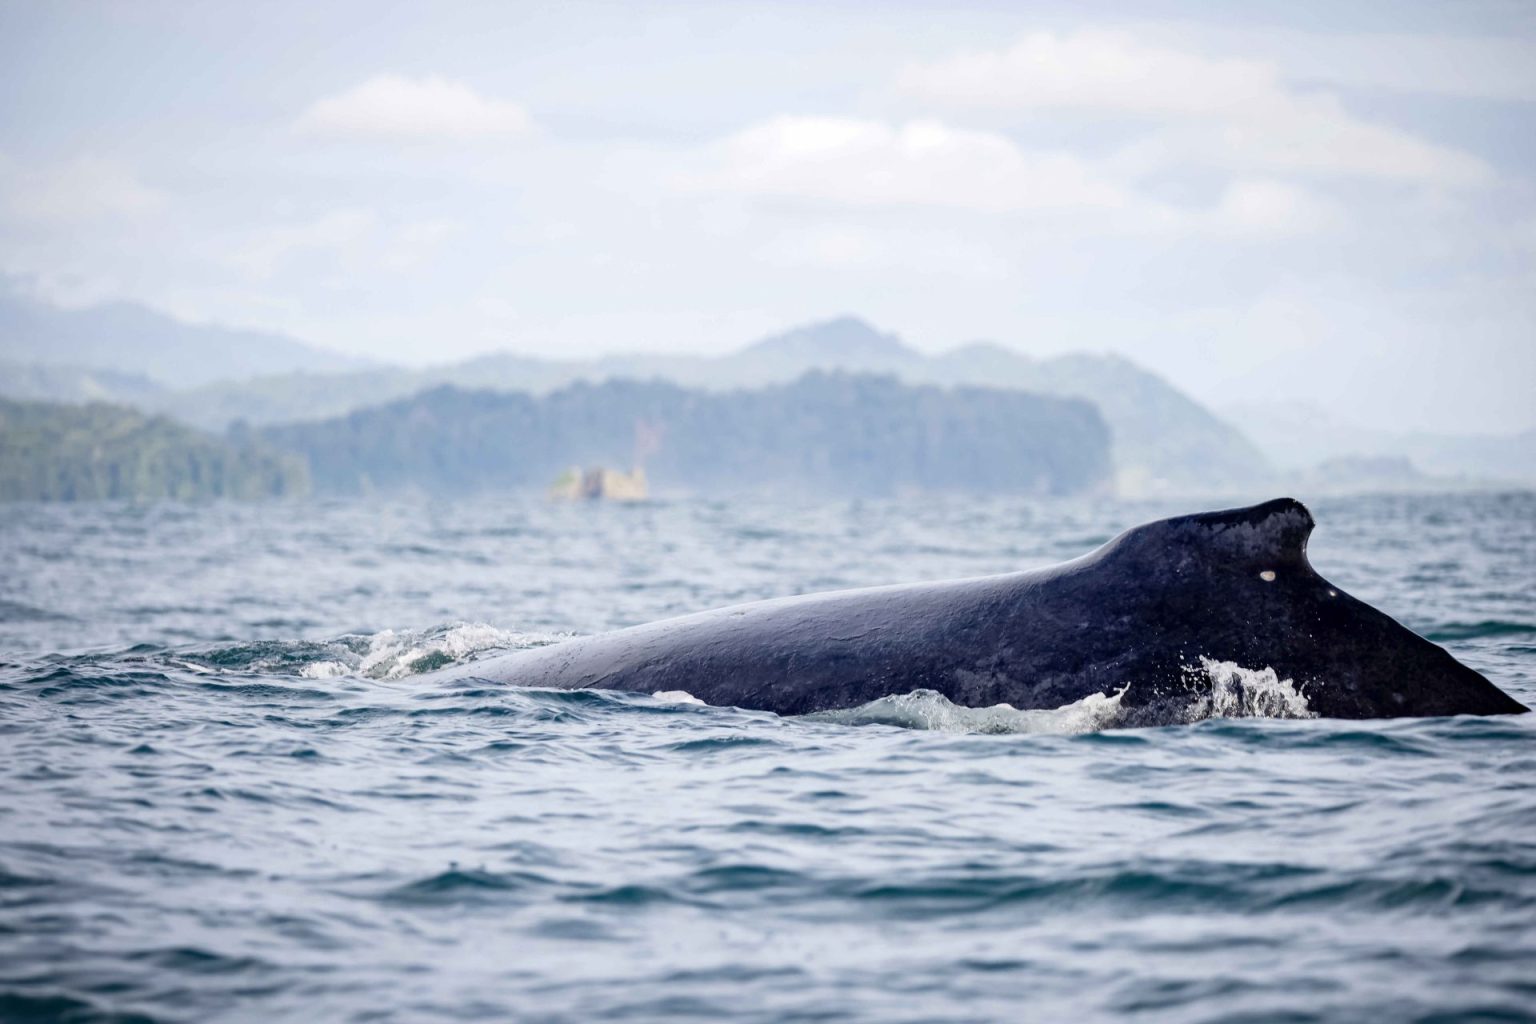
column 1237, row 692
column 676, row 697
column 930, row 710
column 1227, row 690
column 386, row 655
column 394, row 655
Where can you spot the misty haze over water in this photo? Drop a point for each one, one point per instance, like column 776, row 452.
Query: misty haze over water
column 1263, row 204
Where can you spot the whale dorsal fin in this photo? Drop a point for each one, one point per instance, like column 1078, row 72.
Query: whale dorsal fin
column 1259, row 537
column 1274, row 532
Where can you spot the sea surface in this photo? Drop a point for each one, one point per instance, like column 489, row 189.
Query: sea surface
column 232, row 792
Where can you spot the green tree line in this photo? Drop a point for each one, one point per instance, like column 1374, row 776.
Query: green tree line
column 54, row 452
column 825, row 433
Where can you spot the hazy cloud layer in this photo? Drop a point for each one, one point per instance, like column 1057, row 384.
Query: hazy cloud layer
column 919, row 163
column 394, row 107
column 1258, row 210
column 1214, row 111
column 77, row 190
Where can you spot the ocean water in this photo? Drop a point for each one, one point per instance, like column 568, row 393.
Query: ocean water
column 232, row 792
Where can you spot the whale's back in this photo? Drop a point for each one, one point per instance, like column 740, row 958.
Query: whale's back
column 1142, row 614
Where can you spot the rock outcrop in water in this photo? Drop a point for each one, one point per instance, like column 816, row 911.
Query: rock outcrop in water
column 832, row 434
column 51, row 452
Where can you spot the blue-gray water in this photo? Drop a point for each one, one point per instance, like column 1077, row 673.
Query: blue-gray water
column 230, row 795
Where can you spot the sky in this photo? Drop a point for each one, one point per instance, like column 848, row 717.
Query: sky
column 1299, row 202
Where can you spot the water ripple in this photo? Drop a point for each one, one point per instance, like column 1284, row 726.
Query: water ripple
column 213, row 813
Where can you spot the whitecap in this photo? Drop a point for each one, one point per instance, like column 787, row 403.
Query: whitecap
column 677, row 697
column 324, row 670
column 392, row 654
column 1218, row 689
column 930, row 710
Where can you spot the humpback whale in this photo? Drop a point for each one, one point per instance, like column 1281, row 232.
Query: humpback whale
column 1139, row 616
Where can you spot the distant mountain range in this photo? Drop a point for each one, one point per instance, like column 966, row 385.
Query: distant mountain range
column 145, row 345
column 1162, row 438
column 823, row 434
column 1299, row 435
column 40, row 382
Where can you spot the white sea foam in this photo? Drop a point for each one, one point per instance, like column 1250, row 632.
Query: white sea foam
column 1220, row 689
column 324, row 670
column 676, row 697
column 392, row 654
column 930, row 710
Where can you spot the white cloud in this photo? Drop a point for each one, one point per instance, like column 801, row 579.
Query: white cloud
column 921, row 163
column 1272, row 209
column 870, row 165
column 395, row 107
column 1225, row 112
column 1427, row 64
column 78, row 191
column 1105, row 71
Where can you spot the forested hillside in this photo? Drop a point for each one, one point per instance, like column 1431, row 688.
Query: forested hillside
column 824, row 434
column 52, row 452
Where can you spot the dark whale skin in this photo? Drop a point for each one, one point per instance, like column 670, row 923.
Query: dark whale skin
column 1137, row 614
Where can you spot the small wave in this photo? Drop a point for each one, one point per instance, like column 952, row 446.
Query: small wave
column 195, row 960
column 1478, row 630
column 676, row 697
column 390, row 654
column 395, row 655
column 1223, row 689
column 15, row 611
column 463, row 885
column 932, row 711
